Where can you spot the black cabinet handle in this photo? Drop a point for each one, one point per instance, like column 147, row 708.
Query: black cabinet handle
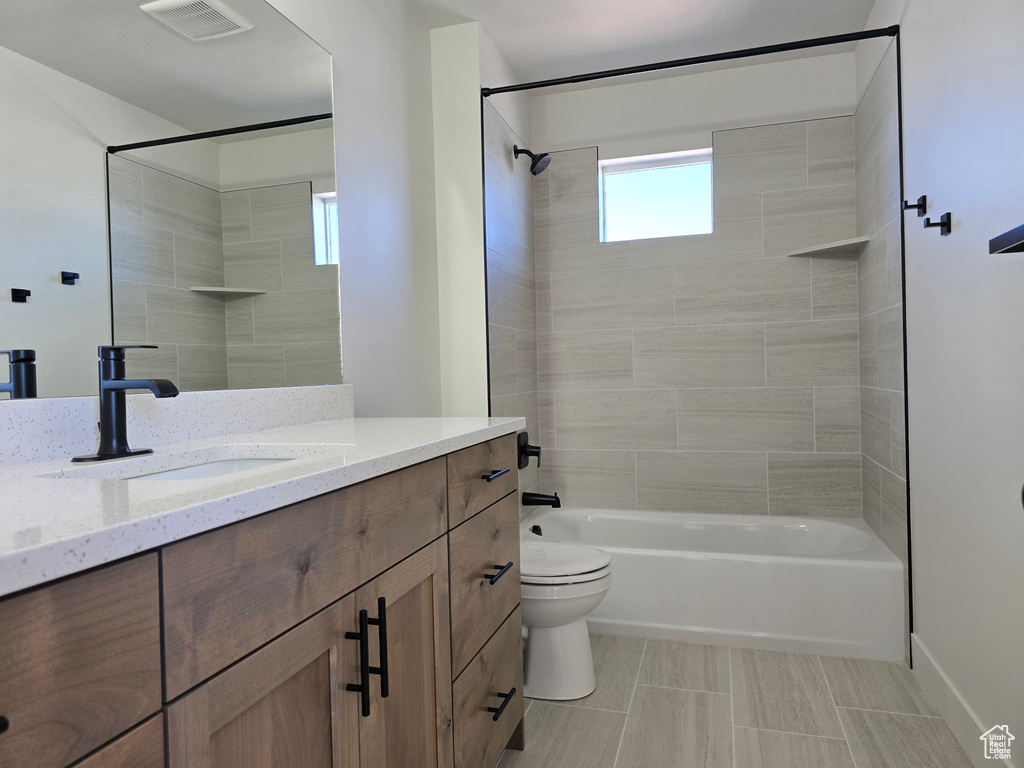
column 381, row 622
column 363, row 636
column 4, row 724
column 502, row 570
column 498, row 710
column 496, row 474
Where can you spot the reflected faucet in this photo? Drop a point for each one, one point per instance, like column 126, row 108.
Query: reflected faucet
column 113, row 418
column 23, row 373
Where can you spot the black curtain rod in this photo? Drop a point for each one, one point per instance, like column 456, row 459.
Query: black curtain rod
column 852, row 37
column 113, row 150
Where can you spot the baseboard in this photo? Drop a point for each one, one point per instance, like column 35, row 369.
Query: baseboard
column 957, row 713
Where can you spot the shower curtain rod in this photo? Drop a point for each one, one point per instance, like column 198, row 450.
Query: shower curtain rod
column 852, row 37
column 113, row 150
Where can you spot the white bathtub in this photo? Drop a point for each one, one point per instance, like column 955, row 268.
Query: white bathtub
column 808, row 585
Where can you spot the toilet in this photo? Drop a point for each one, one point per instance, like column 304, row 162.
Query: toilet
column 561, row 584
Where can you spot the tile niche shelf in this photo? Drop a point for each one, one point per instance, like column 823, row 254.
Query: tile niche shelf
column 851, row 247
column 226, row 292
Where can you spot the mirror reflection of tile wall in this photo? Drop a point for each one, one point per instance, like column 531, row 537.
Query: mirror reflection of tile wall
column 169, row 235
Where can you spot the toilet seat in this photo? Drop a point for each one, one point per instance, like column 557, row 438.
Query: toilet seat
column 549, row 563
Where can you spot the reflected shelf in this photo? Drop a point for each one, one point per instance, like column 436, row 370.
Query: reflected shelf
column 222, row 291
column 852, row 247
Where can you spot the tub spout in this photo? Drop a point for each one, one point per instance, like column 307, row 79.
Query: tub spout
column 541, row 499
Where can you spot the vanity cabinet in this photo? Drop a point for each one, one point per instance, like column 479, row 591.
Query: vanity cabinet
column 330, row 633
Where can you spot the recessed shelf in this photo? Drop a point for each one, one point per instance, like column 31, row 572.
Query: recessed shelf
column 221, row 291
column 1008, row 242
column 853, row 247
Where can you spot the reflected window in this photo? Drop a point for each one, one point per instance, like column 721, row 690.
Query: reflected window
column 665, row 195
column 325, row 228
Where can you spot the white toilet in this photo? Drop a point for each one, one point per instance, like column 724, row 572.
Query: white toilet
column 561, row 584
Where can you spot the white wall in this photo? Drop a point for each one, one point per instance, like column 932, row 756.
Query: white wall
column 963, row 118
column 302, row 155
column 495, row 72
column 384, row 160
column 677, row 113
column 53, row 216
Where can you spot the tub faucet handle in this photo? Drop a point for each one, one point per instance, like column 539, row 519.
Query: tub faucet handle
column 526, row 450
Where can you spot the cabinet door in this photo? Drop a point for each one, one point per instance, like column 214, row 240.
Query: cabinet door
column 412, row 727
column 141, row 747
column 285, row 705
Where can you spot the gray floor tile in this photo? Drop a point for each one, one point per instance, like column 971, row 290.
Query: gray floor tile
column 771, row 749
column 682, row 729
column 888, row 740
column 782, row 692
column 616, row 663
column 685, row 665
column 880, row 685
column 567, row 737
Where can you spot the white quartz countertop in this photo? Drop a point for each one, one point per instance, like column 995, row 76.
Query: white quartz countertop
column 59, row 518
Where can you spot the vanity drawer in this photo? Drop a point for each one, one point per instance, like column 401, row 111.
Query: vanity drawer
column 497, row 669
column 468, row 492
column 142, row 747
column 479, row 548
column 79, row 663
column 230, row 591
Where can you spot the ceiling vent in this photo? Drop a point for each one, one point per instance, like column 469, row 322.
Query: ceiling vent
column 197, row 19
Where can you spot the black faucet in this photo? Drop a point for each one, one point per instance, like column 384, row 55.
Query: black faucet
column 113, row 419
column 23, row 373
column 541, row 499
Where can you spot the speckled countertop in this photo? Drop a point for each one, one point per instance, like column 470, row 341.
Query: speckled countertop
column 59, row 518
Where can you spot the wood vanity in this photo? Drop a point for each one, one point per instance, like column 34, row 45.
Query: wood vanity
column 271, row 642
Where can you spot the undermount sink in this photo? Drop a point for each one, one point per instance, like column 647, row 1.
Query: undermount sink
column 210, row 469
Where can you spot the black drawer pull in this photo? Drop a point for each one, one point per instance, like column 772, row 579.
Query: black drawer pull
column 498, row 710
column 381, row 622
column 502, row 570
column 496, row 474
column 363, row 687
column 4, row 724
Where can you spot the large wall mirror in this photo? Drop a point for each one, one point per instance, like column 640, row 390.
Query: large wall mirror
column 222, row 251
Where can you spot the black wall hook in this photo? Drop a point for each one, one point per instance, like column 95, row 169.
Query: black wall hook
column 20, row 295
column 945, row 224
column 68, row 278
column 921, row 207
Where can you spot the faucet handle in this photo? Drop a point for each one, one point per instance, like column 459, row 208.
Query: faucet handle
column 116, row 352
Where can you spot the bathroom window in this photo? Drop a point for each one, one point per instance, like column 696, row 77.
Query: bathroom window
column 656, row 196
column 325, row 229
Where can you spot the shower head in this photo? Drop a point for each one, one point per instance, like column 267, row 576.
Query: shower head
column 539, row 162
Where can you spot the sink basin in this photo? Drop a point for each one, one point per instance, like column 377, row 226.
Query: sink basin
column 210, row 469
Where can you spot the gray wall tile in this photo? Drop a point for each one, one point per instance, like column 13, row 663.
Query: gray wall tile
column 141, row 254
column 299, row 270
column 866, row 202
column 592, row 478
column 809, row 217
column 871, row 490
column 750, row 291
column 256, row 366
column 893, row 513
column 624, row 419
column 837, row 419
column 818, row 484
column 830, row 152
column 177, row 316
column 699, row 356
column 607, row 299
column 898, row 430
column 129, row 301
column 873, row 275
column 546, row 419
column 281, row 211
column 526, row 361
column 890, row 348
column 253, row 265
column 585, row 360
column 869, row 350
column 502, row 348
column 876, row 441
column 760, row 159
column 202, row 367
column 197, row 262
column 159, row 363
column 746, row 419
column 238, row 320
column 834, row 288
column 308, row 365
column 180, row 206
column 277, row 322
column 819, row 353
column 234, row 212
column 691, row 481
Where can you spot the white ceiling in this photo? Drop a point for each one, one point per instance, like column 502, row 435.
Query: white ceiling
column 542, row 39
column 271, row 72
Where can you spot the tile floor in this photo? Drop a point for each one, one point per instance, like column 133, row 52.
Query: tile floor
column 663, row 704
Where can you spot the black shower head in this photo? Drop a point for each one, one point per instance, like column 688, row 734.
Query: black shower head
column 540, row 162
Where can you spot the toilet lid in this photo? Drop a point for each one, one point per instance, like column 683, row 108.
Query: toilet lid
column 542, row 558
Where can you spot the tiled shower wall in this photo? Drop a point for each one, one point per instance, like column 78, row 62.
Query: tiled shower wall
column 511, row 283
column 169, row 234
column 883, row 404
column 710, row 373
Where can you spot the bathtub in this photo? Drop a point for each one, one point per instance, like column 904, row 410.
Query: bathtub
column 807, row 585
